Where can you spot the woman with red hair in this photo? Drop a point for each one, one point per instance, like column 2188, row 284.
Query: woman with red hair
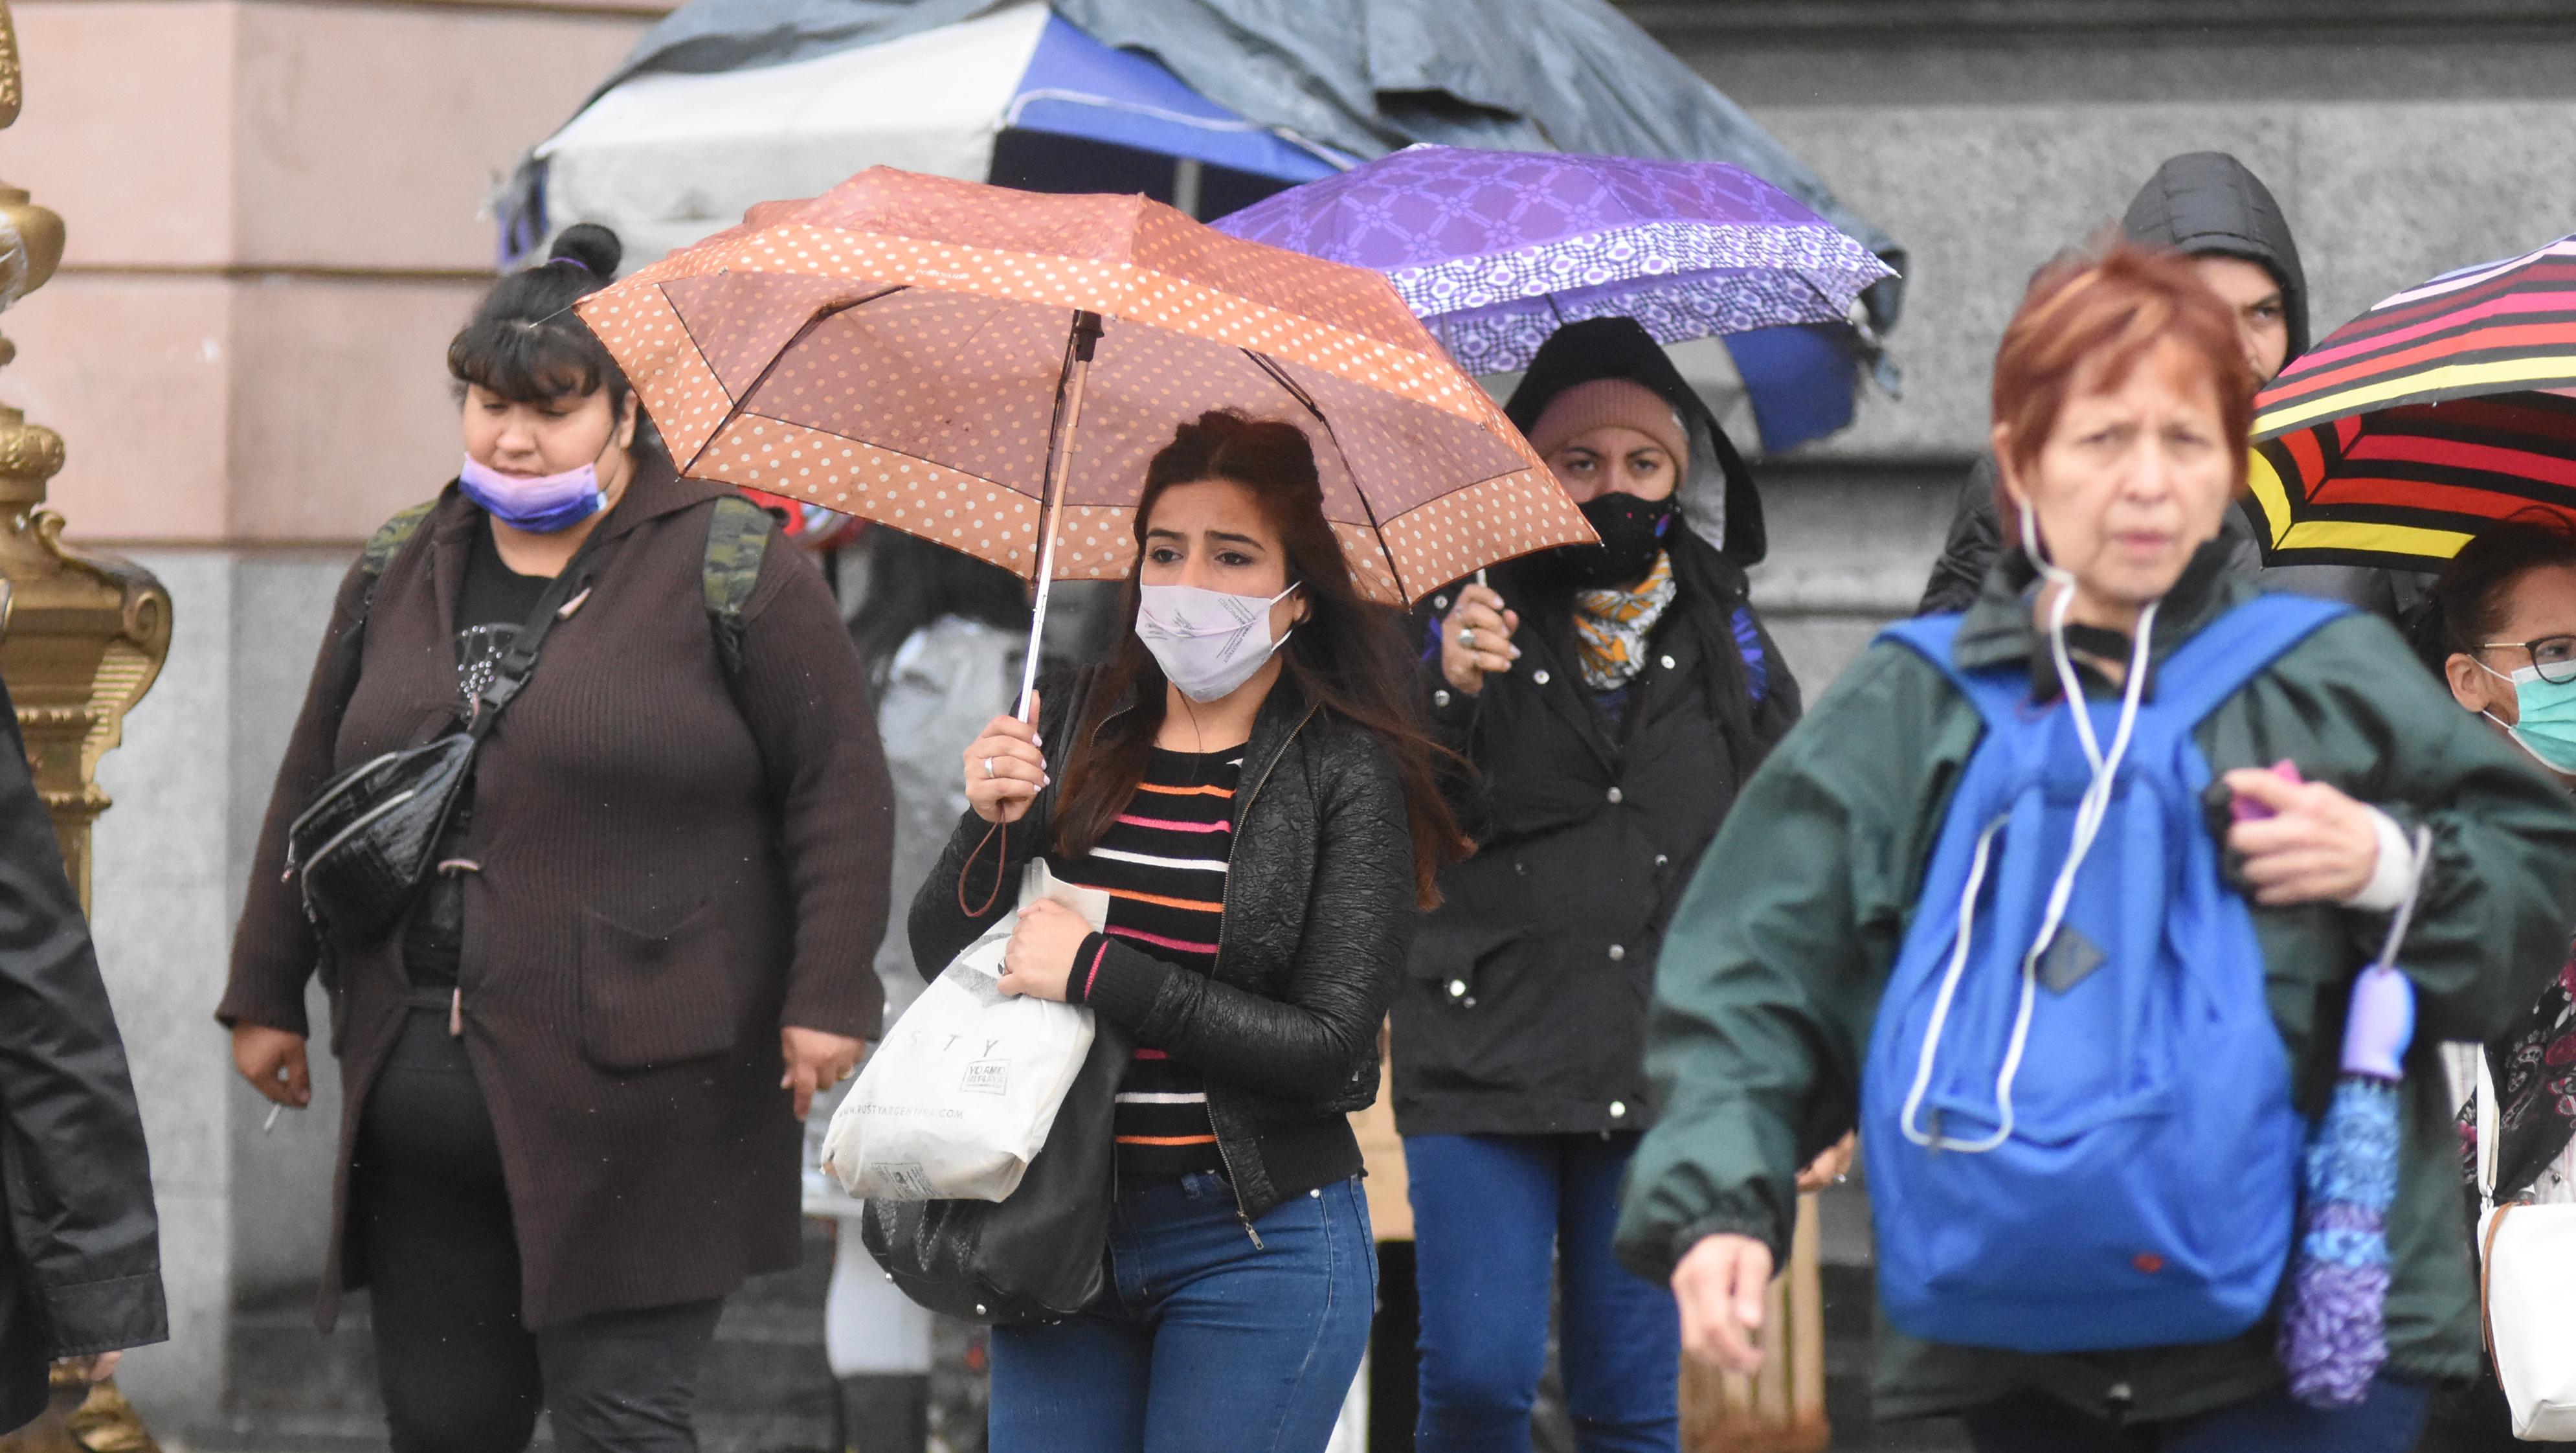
column 2120, row 417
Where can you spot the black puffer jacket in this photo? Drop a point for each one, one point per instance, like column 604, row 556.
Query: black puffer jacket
column 1523, row 1009
column 2208, row 204
column 1318, row 915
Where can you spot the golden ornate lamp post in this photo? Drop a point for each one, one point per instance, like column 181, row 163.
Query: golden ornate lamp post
column 81, row 638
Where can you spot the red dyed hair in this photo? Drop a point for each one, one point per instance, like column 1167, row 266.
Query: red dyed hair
column 2092, row 317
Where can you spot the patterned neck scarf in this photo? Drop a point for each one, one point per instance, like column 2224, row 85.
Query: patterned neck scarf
column 1611, row 626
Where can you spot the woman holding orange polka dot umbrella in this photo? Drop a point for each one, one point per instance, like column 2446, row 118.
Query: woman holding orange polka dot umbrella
column 1265, row 447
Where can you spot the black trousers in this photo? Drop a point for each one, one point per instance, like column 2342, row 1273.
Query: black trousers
column 458, row 1371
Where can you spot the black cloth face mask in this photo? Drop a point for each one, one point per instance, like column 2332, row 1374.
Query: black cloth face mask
column 1631, row 530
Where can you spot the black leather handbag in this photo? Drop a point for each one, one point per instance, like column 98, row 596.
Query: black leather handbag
column 365, row 843
column 1039, row 1256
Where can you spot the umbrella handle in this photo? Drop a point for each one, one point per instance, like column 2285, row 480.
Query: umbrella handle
column 1078, row 349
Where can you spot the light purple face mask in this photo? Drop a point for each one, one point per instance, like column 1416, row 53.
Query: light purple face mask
column 1208, row 642
column 541, row 505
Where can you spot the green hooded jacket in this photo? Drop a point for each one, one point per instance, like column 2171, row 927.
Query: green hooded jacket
column 1777, row 955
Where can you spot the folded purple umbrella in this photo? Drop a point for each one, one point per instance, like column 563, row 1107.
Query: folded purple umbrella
column 1497, row 249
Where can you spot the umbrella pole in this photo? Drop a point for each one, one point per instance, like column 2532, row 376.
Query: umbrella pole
column 1068, row 413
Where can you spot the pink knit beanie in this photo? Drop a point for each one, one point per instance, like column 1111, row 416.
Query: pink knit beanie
column 1589, row 406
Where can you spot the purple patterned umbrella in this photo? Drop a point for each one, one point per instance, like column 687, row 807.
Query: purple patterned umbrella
column 1497, row 249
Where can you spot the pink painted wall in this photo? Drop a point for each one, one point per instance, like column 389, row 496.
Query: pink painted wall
column 275, row 220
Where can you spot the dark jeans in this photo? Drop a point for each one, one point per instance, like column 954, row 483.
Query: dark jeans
column 1205, row 1343
column 1496, row 1220
column 2387, row 1420
column 458, row 1371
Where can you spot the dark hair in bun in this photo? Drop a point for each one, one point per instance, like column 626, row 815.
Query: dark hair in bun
column 526, row 344
column 2471, row 598
column 593, row 247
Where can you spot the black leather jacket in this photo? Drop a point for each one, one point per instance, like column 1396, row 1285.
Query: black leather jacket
column 80, row 1267
column 1319, row 916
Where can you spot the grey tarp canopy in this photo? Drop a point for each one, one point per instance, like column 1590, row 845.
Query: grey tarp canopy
column 1366, row 76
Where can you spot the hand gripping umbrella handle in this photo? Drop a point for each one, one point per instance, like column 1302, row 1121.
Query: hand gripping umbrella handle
column 1078, row 348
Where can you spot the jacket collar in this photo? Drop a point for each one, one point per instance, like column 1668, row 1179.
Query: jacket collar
column 1283, row 712
column 657, row 490
column 2000, row 628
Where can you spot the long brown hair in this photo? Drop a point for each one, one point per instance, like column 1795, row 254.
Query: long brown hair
column 1348, row 656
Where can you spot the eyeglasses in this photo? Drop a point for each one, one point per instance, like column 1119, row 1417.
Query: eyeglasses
column 2555, row 656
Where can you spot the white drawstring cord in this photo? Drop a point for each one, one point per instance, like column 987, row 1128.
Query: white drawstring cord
column 2090, row 812
column 1949, row 988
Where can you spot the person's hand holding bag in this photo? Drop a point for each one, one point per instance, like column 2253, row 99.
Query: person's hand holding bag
column 1005, row 768
column 1040, row 959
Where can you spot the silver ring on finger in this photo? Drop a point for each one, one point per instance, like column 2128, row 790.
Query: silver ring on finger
column 988, row 768
column 1467, row 636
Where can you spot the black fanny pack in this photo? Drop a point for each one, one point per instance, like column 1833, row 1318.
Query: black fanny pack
column 365, row 843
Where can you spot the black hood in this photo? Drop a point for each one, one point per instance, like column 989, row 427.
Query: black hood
column 1597, row 348
column 2206, row 202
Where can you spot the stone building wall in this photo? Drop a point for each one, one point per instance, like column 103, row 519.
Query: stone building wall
column 2403, row 138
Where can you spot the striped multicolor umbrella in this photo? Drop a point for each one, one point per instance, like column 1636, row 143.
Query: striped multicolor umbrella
column 2440, row 411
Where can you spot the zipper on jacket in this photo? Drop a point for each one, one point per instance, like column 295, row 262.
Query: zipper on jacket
column 1225, row 914
column 1237, row 1188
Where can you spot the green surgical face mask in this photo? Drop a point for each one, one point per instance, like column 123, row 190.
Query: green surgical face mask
column 2547, row 729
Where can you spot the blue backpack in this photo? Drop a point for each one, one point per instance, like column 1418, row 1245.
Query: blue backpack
column 2085, row 1144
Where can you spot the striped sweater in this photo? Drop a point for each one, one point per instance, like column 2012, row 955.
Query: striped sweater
column 1163, row 864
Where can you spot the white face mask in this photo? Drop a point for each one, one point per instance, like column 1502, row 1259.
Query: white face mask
column 1207, row 641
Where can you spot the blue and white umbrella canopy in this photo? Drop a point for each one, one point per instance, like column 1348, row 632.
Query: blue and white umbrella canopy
column 667, row 157
column 730, row 102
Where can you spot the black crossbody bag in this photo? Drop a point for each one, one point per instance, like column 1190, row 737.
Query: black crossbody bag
column 363, row 846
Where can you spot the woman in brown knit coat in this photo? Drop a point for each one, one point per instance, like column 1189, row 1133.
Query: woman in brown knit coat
column 568, row 1134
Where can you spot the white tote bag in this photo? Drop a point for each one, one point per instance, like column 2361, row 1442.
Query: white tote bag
column 2527, row 1284
column 960, row 1095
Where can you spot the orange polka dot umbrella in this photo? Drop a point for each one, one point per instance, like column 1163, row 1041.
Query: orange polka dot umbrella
column 952, row 358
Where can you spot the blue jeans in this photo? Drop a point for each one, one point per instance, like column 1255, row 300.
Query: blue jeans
column 2386, row 1420
column 1205, row 1342
column 1496, row 1218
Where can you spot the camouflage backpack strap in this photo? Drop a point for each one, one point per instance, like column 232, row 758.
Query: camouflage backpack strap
column 738, row 534
column 373, row 558
column 383, row 546
column 390, row 537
